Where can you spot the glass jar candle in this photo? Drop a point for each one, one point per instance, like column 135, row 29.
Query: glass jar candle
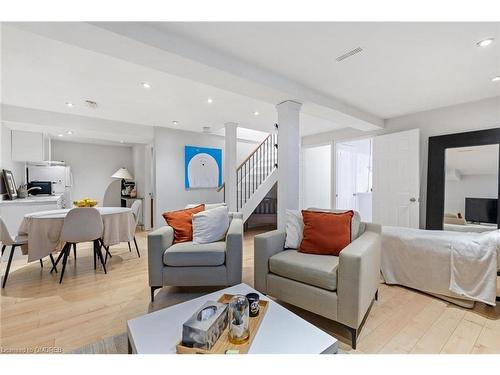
column 239, row 317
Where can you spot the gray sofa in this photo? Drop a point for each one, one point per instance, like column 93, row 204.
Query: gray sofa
column 187, row 264
column 339, row 288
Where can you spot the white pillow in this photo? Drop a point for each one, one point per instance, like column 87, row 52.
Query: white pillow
column 208, row 206
column 294, row 229
column 210, row 225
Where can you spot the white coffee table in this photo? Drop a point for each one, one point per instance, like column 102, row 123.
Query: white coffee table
column 281, row 331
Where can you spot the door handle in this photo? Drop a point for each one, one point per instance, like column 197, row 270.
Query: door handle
column 413, row 199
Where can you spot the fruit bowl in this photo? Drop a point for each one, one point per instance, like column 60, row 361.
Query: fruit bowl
column 85, row 202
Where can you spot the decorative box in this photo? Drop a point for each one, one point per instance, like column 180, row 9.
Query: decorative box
column 204, row 327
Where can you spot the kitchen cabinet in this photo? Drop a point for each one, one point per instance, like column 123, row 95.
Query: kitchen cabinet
column 29, row 146
column 13, row 211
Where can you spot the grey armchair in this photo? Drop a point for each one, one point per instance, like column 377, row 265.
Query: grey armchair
column 339, row 288
column 187, row 264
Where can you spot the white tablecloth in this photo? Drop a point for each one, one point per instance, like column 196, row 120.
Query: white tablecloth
column 44, row 229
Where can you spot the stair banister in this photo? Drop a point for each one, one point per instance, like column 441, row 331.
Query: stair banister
column 252, row 172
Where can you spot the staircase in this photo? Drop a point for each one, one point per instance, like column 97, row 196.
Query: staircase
column 256, row 175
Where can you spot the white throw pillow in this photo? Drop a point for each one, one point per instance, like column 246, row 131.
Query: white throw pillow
column 210, row 225
column 208, row 206
column 294, row 229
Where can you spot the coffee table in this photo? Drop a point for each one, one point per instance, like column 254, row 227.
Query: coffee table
column 281, row 331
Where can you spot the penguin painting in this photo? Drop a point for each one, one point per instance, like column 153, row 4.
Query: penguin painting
column 203, row 171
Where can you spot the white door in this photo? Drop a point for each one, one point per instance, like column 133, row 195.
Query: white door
column 396, row 179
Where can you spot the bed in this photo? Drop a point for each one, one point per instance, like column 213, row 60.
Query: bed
column 455, row 266
column 471, row 228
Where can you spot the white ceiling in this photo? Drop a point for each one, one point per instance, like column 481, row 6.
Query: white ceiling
column 475, row 160
column 44, row 74
column 404, row 67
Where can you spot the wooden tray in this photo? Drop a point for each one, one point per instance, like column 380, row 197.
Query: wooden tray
column 223, row 343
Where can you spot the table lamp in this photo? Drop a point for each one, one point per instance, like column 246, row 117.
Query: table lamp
column 122, row 174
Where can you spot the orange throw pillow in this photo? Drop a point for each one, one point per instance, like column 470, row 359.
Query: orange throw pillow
column 182, row 222
column 326, row 233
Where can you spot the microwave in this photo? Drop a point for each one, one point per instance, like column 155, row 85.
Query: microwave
column 44, row 187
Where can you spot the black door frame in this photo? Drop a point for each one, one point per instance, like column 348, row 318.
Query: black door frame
column 436, row 169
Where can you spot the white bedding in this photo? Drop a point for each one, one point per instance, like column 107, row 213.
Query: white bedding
column 448, row 263
column 473, row 228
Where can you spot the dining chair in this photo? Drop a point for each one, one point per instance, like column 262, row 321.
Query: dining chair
column 8, row 240
column 81, row 225
column 135, row 208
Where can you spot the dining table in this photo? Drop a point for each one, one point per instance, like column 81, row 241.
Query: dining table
column 44, row 228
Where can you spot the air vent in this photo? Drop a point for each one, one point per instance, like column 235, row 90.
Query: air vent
column 207, row 129
column 91, row 104
column 349, row 54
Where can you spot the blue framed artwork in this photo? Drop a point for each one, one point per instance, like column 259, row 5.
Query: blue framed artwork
column 202, row 167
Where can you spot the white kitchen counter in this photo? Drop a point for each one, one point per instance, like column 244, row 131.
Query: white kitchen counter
column 33, row 200
column 13, row 211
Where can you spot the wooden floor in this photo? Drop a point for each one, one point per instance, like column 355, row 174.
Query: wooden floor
column 89, row 306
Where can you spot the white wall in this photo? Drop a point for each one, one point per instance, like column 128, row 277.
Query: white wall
column 483, row 114
column 18, row 169
column 316, row 177
column 139, row 164
column 170, row 193
column 471, row 186
column 142, row 166
column 92, row 165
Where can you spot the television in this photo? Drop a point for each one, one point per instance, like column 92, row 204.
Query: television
column 481, row 210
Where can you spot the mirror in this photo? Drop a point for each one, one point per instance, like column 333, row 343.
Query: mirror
column 471, row 188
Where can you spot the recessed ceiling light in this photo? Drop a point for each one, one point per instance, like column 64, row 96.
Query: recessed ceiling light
column 209, row 100
column 121, row 141
column 495, row 79
column 69, row 104
column 59, row 135
column 69, row 132
column 175, row 122
column 485, row 42
column 256, row 113
column 146, row 85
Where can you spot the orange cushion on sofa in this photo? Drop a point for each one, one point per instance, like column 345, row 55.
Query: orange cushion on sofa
column 182, row 222
column 326, row 233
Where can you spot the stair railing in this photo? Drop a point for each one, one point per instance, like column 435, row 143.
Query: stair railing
column 254, row 170
column 268, row 206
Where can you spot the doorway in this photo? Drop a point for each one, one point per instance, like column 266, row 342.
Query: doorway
column 353, row 166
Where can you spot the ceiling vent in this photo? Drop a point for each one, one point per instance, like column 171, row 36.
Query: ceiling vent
column 91, row 104
column 349, row 54
column 207, row 129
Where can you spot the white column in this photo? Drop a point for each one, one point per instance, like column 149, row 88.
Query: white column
column 230, row 165
column 288, row 159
